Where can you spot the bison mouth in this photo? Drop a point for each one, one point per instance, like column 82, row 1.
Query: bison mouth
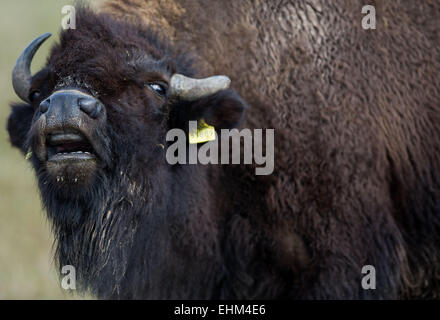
column 69, row 146
column 70, row 160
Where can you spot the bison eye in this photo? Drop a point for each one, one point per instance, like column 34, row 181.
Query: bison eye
column 34, row 95
column 157, row 88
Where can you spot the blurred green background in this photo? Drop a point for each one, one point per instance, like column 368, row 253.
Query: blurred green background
column 26, row 264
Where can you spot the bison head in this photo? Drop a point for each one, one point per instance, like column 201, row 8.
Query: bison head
column 106, row 86
column 94, row 124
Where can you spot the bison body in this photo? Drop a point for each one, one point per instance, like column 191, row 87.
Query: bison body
column 357, row 150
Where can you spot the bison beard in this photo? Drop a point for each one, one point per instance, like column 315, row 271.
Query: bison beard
column 357, row 164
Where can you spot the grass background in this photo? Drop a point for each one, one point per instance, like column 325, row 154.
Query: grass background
column 26, row 263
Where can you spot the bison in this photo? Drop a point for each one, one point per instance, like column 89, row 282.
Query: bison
column 357, row 148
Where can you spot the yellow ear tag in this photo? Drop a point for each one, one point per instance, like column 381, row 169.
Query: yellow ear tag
column 29, row 154
column 204, row 133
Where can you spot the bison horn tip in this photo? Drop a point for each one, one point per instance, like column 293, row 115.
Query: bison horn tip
column 21, row 74
column 191, row 89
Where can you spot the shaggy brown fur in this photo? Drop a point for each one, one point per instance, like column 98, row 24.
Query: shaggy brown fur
column 357, row 153
column 356, row 113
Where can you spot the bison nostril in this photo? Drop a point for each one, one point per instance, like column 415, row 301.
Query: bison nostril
column 90, row 106
column 44, row 106
column 98, row 109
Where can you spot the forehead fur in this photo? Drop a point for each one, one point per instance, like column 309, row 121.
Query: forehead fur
column 107, row 54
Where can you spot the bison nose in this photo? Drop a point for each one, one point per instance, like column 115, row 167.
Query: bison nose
column 71, row 102
column 44, row 106
column 90, row 106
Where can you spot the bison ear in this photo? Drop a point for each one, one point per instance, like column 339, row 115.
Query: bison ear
column 223, row 110
column 19, row 124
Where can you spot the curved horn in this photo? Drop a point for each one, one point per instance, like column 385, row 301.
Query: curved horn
column 192, row 89
column 21, row 74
